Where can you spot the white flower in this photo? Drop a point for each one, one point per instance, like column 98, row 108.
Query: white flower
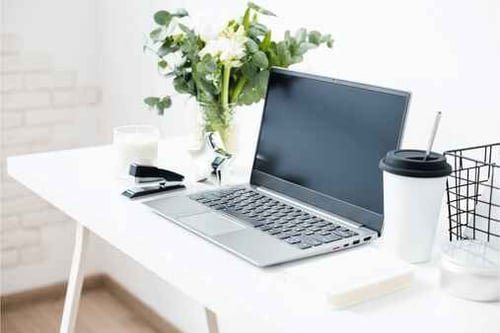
column 228, row 47
column 175, row 59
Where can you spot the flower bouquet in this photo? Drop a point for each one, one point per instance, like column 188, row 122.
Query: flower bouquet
column 228, row 70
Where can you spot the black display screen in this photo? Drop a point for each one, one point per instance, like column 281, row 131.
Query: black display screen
column 328, row 136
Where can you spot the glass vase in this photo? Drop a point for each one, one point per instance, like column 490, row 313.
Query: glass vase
column 218, row 118
column 237, row 125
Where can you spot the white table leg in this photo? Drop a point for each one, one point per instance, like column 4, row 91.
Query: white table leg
column 75, row 281
column 211, row 321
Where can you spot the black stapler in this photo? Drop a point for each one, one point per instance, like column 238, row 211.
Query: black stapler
column 147, row 173
column 166, row 180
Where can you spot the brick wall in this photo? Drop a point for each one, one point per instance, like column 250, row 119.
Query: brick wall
column 41, row 109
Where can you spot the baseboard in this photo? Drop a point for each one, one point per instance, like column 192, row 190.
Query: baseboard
column 53, row 291
column 92, row 282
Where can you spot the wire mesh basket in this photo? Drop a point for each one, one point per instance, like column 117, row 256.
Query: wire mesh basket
column 473, row 193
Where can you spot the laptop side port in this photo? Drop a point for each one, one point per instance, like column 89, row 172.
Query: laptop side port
column 356, row 242
column 366, row 239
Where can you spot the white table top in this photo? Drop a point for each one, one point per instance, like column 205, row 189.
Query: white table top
column 79, row 183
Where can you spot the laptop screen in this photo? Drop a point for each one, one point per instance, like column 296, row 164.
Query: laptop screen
column 321, row 141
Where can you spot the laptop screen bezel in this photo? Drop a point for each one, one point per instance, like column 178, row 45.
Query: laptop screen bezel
column 357, row 214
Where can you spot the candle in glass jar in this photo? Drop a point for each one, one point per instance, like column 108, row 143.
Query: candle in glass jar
column 135, row 144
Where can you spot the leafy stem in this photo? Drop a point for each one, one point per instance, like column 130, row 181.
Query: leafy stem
column 225, row 86
column 238, row 88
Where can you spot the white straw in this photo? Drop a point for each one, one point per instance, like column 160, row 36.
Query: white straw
column 433, row 135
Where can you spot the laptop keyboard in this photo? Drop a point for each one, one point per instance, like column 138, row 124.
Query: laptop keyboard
column 285, row 222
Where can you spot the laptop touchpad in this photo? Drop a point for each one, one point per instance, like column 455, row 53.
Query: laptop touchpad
column 211, row 224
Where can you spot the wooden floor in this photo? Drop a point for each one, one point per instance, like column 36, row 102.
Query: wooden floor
column 100, row 312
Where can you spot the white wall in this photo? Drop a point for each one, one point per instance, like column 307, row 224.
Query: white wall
column 64, row 29
column 49, row 101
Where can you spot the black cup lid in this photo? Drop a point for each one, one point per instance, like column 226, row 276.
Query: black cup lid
column 411, row 163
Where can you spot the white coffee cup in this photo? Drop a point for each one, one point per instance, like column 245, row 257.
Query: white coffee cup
column 413, row 193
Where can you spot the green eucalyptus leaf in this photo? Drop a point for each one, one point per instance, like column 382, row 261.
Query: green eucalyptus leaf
column 252, row 46
column 189, row 48
column 211, row 65
column 207, row 87
column 249, row 70
column 293, row 46
column 273, row 54
column 255, row 89
column 304, row 47
column 256, row 30
column 181, row 12
column 248, row 95
column 283, row 54
column 262, row 79
column 155, row 35
column 163, row 103
column 167, row 47
column 315, row 37
column 162, row 18
column 166, row 102
column 185, row 28
column 260, row 27
column 162, row 64
column 259, row 9
column 200, row 69
column 287, row 35
column 328, row 40
column 301, row 35
column 259, row 59
column 181, row 85
column 151, row 101
column 207, row 65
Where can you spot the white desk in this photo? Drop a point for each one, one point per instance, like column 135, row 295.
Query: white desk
column 79, row 183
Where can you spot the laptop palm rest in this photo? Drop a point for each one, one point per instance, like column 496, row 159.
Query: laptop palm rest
column 255, row 246
column 194, row 215
column 211, row 224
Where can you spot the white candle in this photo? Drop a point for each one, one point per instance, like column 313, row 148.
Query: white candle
column 135, row 144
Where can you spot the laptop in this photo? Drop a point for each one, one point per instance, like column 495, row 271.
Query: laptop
column 315, row 186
